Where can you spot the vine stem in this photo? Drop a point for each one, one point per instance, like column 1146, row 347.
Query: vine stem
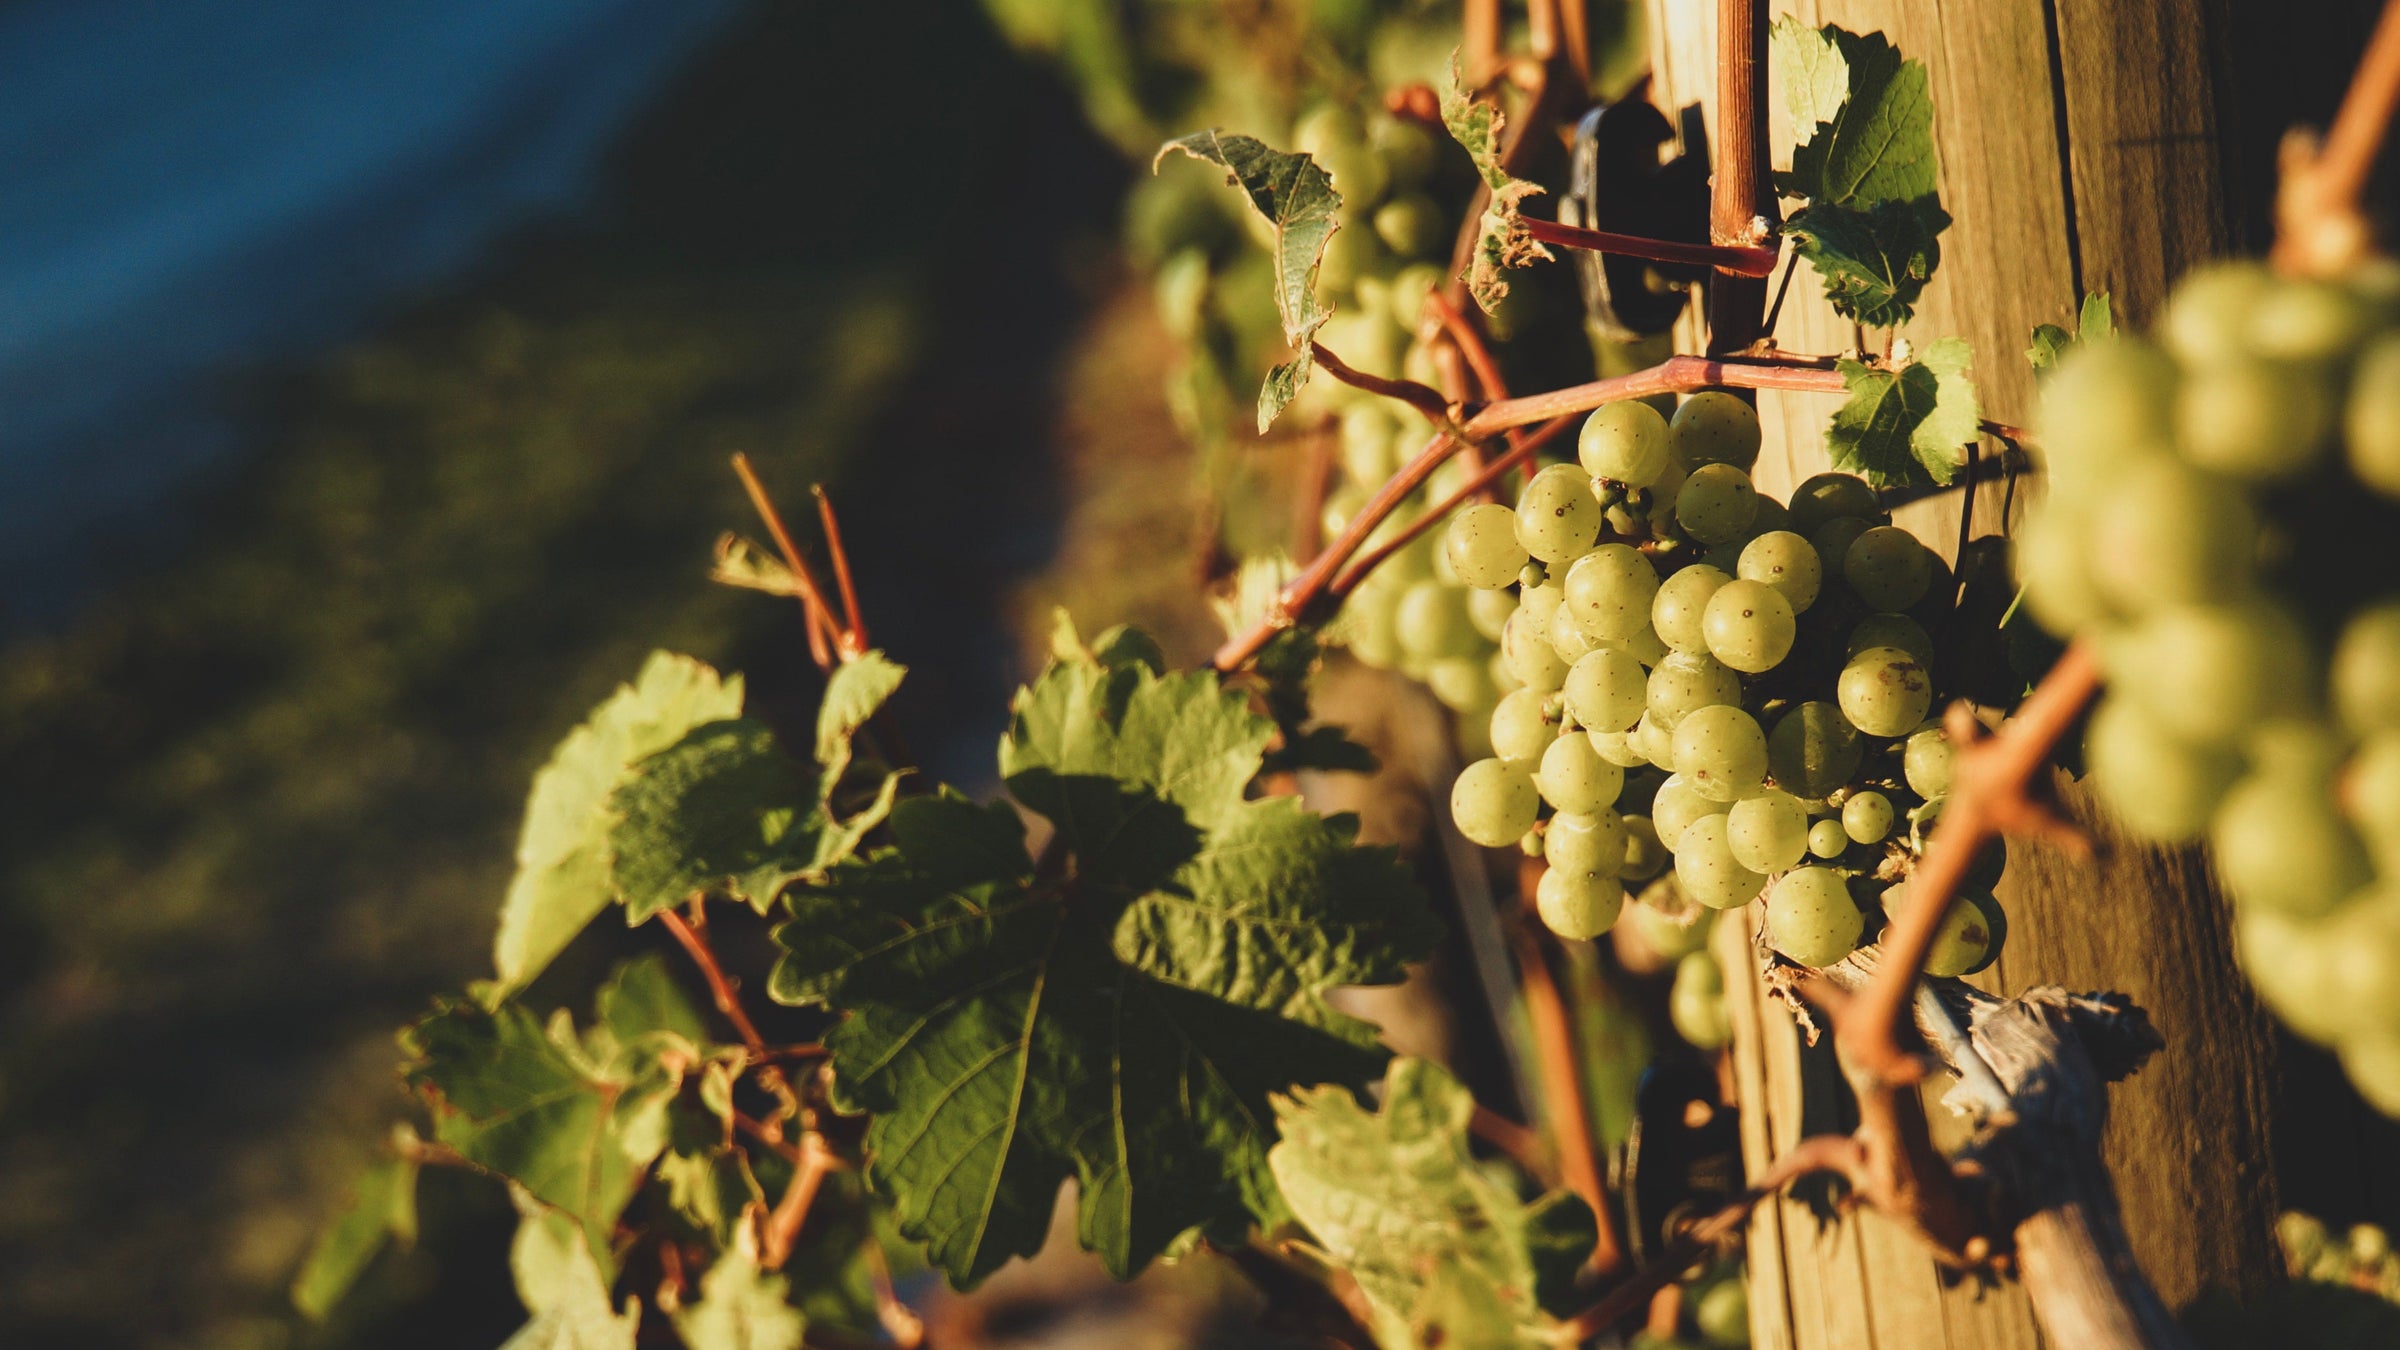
column 1737, row 302
column 2321, row 226
column 1491, row 473
column 1747, row 260
column 720, row 987
column 1424, row 398
column 853, row 637
column 1561, row 1066
column 823, row 631
column 1991, row 794
column 783, row 1223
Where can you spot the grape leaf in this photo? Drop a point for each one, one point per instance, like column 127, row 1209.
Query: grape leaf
column 741, row 1307
column 725, row 810
column 1874, row 261
column 562, row 1284
column 1877, row 146
column 642, row 997
column 562, row 880
column 2051, row 343
column 1296, row 197
column 1501, row 243
column 1905, row 427
column 573, row 1120
column 1120, row 1015
column 1445, row 1251
column 382, row 1207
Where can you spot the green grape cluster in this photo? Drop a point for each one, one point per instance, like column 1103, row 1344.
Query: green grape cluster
column 2359, row 1258
column 2221, row 515
column 1705, row 696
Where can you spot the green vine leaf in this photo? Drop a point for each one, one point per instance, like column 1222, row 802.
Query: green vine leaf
column 563, row 874
column 1502, row 243
column 1905, row 426
column 741, row 1307
column 2096, row 323
column 1868, row 169
column 574, row 1120
column 1296, row 197
column 382, row 1208
column 1120, row 1015
column 563, row 1285
column 1444, row 1250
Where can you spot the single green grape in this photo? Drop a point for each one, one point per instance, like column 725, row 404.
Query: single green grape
column 1681, row 603
column 1749, row 626
column 2053, row 558
column 2163, row 788
column 1371, row 617
column 2169, row 534
column 1607, row 690
column 1410, row 155
column 1706, row 869
column 2255, row 418
column 1962, row 942
column 1412, row 226
column 1827, row 839
column 1578, row 906
column 2371, row 420
column 1721, row 752
column 1680, row 684
column 1995, row 923
column 1890, row 630
column 1609, row 592
column 1888, row 568
column 2366, row 670
column 2372, row 1060
column 1811, row 918
column 1519, row 731
column 1370, row 443
column 1489, row 611
column 1832, row 540
column 1568, row 639
column 1884, row 691
column 1676, row 805
column 2209, row 673
column 1540, row 601
column 1713, row 427
column 1494, row 802
column 1644, row 646
column 2290, row 963
column 1831, row 496
column 1867, row 817
column 1716, row 504
column 1785, row 561
column 2279, row 842
column 1696, row 1009
column 1333, row 136
column 1461, row 683
column 1768, row 832
column 1481, row 544
column 1926, row 761
column 1591, row 842
column 1530, row 657
column 2107, row 406
column 2371, row 797
column 1813, row 750
column 1645, row 854
column 1557, row 515
column 2307, row 321
column 2207, row 319
column 1617, row 748
column 1624, row 443
column 1656, row 743
column 1770, row 517
column 1432, row 621
column 2364, row 968
column 1573, row 776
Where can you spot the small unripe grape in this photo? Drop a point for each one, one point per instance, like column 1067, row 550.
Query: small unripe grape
column 2255, row 419
column 2366, row 670
column 1888, row 568
column 1412, row 226
column 1785, row 561
column 2208, row 317
column 2163, row 788
column 1867, row 817
column 1926, row 762
column 1567, row 637
column 1716, row 504
column 1831, row 496
column 1884, row 691
column 2279, row 842
column 1624, row 442
column 1682, row 683
column 1461, row 683
column 1811, row 918
column 1593, row 842
column 1961, row 944
column 1433, row 623
column 1578, row 906
column 1832, row 539
column 1520, row 734
column 1714, row 427
column 1607, row 690
column 1645, row 854
column 1656, row 743
column 1749, row 626
column 1481, row 544
column 1680, row 605
column 1573, row 776
column 1644, row 646
column 1706, row 869
column 1494, row 802
column 2168, row 534
column 1557, row 515
column 2371, row 421
column 1768, row 832
column 1890, row 630
column 1541, row 600
column 1721, row 752
column 1527, row 651
column 2209, row 673
column 1490, row 610
column 1617, row 748
column 1697, row 1010
column 1813, row 750
column 1722, row 1313
column 1609, row 591
column 1675, row 806
column 1827, row 839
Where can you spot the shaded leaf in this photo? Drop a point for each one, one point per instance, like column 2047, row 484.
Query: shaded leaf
column 1502, row 243
column 1874, row 262
column 382, row 1207
column 1121, row 1020
column 1877, row 145
column 1905, row 426
column 563, row 1286
column 562, row 880
column 723, row 811
column 752, row 567
column 1297, row 198
column 741, row 1307
column 854, row 694
column 643, row 997
column 2095, row 323
column 1444, row 1250
column 1327, row 749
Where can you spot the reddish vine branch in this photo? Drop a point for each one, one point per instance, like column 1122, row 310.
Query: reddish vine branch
column 1561, row 1065
column 2321, row 226
column 1423, row 398
column 824, row 632
column 1745, row 260
column 1491, row 473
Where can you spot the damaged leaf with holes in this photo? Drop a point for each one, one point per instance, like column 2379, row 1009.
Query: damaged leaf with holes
column 1120, row 1012
column 1501, row 242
